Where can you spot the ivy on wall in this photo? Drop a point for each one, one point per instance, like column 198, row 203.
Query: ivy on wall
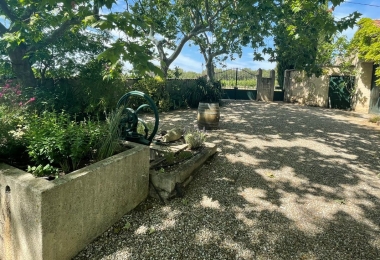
column 366, row 42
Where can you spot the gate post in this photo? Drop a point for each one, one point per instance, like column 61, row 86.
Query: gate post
column 236, row 77
column 265, row 87
column 259, row 79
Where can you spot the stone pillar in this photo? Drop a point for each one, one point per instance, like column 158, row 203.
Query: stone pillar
column 286, row 86
column 259, row 79
column 265, row 87
column 272, row 81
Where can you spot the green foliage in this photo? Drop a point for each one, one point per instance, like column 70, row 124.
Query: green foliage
column 366, row 42
column 156, row 89
column 12, row 129
column 304, row 34
column 43, row 170
column 141, row 128
column 231, row 27
column 86, row 94
column 184, row 155
column 204, row 91
column 58, row 140
column 248, row 83
column 170, row 158
column 179, row 90
column 13, row 119
column 57, row 39
column 195, row 138
column 109, row 143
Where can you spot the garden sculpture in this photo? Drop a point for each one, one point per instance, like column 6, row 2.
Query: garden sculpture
column 130, row 119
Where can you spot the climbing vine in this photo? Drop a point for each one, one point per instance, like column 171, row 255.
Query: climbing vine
column 366, row 42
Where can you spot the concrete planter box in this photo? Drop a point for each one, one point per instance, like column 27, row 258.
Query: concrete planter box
column 42, row 219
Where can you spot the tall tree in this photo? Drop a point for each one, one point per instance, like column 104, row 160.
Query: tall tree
column 171, row 24
column 303, row 31
column 239, row 24
column 30, row 27
column 36, row 32
column 366, row 42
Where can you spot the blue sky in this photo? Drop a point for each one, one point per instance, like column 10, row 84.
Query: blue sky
column 190, row 58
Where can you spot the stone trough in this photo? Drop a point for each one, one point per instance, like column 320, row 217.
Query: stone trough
column 42, row 219
column 169, row 184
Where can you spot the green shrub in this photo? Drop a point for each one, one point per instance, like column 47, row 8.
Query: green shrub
column 195, row 138
column 12, row 129
column 53, row 138
column 13, row 114
column 203, row 91
column 87, row 94
column 156, row 89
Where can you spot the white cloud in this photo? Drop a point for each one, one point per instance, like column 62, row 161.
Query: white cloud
column 187, row 63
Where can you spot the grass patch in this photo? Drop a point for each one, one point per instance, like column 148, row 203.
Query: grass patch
column 375, row 119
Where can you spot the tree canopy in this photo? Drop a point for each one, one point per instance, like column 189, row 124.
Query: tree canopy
column 304, row 35
column 49, row 35
column 240, row 24
column 52, row 38
column 366, row 42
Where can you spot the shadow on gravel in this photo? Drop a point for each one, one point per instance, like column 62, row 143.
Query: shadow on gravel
column 289, row 182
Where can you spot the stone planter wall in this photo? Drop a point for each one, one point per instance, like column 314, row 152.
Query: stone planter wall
column 42, row 219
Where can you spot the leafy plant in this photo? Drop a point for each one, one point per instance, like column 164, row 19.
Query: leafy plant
column 156, row 89
column 58, row 140
column 12, row 130
column 170, row 157
column 366, row 42
column 195, row 138
column 183, row 155
column 43, row 170
column 110, row 142
column 13, row 119
column 204, row 91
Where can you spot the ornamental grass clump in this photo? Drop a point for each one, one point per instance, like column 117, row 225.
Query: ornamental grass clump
column 111, row 139
column 195, row 139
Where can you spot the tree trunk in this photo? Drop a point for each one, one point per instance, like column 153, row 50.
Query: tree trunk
column 164, row 69
column 210, row 70
column 22, row 67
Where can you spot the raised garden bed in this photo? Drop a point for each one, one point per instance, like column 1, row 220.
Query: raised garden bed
column 42, row 219
column 168, row 181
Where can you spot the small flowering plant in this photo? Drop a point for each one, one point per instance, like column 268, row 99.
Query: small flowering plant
column 13, row 119
column 194, row 138
column 11, row 95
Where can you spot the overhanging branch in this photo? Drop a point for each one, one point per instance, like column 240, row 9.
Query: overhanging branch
column 7, row 12
column 56, row 34
column 3, row 29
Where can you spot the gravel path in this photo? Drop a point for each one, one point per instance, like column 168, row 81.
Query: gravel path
column 288, row 182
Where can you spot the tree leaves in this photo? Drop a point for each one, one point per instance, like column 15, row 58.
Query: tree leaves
column 366, row 42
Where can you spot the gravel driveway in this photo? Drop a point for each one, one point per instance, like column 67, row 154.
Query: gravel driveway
column 288, row 182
